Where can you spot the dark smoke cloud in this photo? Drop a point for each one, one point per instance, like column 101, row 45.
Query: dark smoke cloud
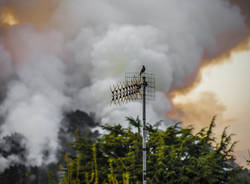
column 73, row 121
column 245, row 9
column 12, row 150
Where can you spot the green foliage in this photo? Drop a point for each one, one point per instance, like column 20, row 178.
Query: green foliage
column 248, row 160
column 185, row 158
column 175, row 156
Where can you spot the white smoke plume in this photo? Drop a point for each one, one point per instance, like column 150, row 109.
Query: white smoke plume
column 69, row 59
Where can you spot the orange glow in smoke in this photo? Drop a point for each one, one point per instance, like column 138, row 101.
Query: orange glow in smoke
column 196, row 78
column 197, row 109
column 7, row 17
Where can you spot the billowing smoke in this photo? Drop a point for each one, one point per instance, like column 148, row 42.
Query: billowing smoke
column 199, row 116
column 68, row 55
column 35, row 95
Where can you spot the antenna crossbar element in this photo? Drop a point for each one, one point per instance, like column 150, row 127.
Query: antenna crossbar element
column 150, row 79
column 126, row 91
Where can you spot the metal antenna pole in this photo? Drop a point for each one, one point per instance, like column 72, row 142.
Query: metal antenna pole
column 130, row 90
column 144, row 152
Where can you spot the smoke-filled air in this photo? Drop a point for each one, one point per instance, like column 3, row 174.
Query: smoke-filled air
column 62, row 55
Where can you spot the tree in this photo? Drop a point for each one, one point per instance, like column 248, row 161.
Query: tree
column 185, row 158
column 21, row 172
column 175, row 156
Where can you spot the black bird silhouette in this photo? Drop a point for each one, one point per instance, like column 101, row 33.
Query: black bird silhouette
column 142, row 70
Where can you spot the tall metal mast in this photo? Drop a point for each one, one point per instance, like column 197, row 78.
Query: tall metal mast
column 144, row 150
column 130, row 90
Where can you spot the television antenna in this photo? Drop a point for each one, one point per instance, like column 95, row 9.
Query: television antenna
column 137, row 86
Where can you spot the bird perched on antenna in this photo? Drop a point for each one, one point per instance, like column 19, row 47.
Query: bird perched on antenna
column 142, row 70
